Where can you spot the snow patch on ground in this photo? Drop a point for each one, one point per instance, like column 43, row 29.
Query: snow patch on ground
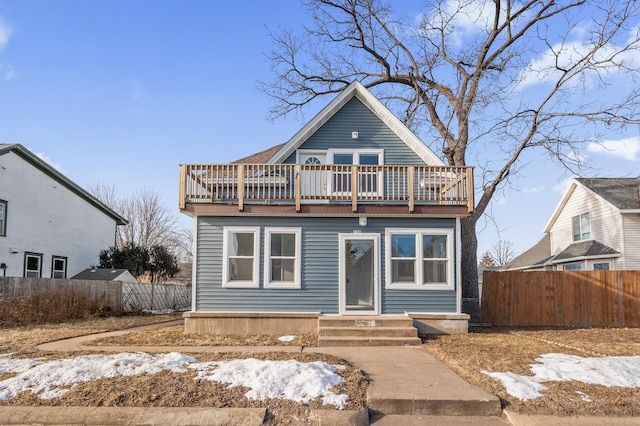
column 623, row 371
column 287, row 338
column 294, row 380
column 297, row 381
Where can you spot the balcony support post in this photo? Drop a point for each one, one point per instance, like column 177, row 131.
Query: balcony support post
column 240, row 171
column 296, row 173
column 411, row 189
column 182, row 202
column 354, row 188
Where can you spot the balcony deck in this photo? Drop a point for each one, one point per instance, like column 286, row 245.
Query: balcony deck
column 325, row 189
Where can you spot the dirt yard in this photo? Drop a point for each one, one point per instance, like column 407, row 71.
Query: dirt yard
column 513, row 350
column 483, row 349
column 167, row 389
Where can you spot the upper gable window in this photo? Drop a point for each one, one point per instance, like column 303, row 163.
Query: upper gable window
column 581, row 225
column 365, row 157
column 3, row 218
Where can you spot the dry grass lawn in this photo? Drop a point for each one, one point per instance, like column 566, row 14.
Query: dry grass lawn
column 498, row 349
column 492, row 349
column 168, row 389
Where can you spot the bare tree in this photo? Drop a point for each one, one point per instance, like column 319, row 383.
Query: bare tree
column 502, row 252
column 486, row 261
column 151, row 223
column 461, row 74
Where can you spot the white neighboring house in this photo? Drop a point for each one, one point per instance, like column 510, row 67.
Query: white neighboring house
column 49, row 226
column 596, row 226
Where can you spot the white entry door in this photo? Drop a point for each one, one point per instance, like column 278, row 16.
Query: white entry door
column 314, row 180
column 359, row 274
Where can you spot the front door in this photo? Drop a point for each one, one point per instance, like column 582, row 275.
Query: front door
column 359, row 274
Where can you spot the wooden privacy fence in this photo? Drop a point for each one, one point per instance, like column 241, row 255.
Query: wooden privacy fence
column 562, row 299
column 116, row 295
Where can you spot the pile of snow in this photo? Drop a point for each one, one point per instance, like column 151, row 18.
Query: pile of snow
column 297, row 381
column 623, row 371
column 287, row 338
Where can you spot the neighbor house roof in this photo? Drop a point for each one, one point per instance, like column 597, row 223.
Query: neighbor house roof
column 536, row 257
column 50, row 171
column 585, row 249
column 357, row 90
column 621, row 192
column 104, row 274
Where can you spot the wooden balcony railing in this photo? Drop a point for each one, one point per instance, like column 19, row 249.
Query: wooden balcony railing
column 327, row 183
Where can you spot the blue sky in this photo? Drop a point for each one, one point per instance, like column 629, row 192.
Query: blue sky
column 122, row 91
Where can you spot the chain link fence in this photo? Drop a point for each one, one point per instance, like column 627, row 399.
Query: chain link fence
column 476, row 308
column 141, row 297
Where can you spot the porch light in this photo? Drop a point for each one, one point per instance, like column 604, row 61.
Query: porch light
column 362, row 221
column 354, row 135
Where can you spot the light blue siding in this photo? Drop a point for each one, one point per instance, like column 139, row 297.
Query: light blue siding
column 354, row 116
column 320, row 274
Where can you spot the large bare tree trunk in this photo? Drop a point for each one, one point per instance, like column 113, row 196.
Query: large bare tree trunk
column 469, row 257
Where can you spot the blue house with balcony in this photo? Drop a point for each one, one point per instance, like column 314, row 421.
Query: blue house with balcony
column 351, row 230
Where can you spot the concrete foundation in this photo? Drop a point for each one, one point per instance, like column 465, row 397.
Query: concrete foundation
column 250, row 323
column 430, row 324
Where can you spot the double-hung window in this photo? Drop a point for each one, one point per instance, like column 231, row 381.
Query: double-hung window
column 282, row 259
column 241, row 254
column 581, row 226
column 419, row 259
column 369, row 179
column 3, row 218
column 58, row 267
column 33, row 265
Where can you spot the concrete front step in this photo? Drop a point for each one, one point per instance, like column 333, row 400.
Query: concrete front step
column 324, row 341
column 365, row 321
column 368, row 331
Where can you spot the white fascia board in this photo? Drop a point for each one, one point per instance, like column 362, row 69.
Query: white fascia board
column 382, row 112
column 560, row 206
column 579, row 258
column 630, row 211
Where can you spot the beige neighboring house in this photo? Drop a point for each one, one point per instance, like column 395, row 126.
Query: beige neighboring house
column 106, row 274
column 596, row 226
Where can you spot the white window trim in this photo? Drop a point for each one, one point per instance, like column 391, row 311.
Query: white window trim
column 419, row 266
column 3, row 217
column 356, row 154
column 227, row 232
column 53, row 265
column 579, row 217
column 296, row 284
column 38, row 256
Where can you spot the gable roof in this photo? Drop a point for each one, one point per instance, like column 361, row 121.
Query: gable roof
column 47, row 169
column 356, row 89
column 103, row 274
column 585, row 249
column 259, row 157
column 536, row 257
column 623, row 193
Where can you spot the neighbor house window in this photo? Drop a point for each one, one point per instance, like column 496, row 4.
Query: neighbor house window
column 572, row 267
column 282, row 253
column 604, row 266
column 3, row 218
column 240, row 252
column 419, row 259
column 58, row 267
column 581, row 227
column 33, row 265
